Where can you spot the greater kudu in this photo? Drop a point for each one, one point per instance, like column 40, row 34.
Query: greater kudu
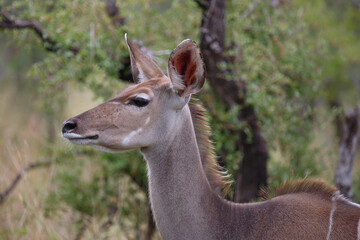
column 156, row 117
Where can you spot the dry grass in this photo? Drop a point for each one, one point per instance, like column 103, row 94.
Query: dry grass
column 23, row 141
column 23, row 138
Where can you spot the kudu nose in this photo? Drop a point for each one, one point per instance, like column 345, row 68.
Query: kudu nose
column 68, row 126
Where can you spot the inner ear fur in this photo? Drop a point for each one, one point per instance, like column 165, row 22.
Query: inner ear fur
column 186, row 68
column 142, row 66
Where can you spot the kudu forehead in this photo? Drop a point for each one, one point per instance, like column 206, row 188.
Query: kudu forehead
column 150, row 87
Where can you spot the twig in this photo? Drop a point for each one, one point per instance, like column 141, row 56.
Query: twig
column 50, row 44
column 250, row 9
column 111, row 212
column 276, row 3
column 18, row 177
column 82, row 229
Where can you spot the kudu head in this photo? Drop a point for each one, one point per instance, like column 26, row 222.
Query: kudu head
column 145, row 113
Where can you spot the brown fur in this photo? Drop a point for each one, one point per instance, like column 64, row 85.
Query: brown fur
column 217, row 177
column 142, row 65
column 313, row 186
column 186, row 62
column 145, row 87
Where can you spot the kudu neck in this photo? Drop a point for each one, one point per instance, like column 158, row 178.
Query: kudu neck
column 184, row 205
column 180, row 194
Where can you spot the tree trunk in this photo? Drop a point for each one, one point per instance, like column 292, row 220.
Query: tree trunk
column 252, row 173
column 343, row 174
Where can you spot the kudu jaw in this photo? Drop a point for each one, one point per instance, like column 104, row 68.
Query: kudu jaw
column 144, row 113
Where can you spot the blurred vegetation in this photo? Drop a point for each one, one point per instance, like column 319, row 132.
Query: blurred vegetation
column 299, row 59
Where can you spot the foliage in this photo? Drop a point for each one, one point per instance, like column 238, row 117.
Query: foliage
column 339, row 27
column 280, row 65
column 290, row 59
column 100, row 186
column 95, row 67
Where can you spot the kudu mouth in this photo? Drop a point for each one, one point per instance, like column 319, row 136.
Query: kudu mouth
column 74, row 136
column 68, row 132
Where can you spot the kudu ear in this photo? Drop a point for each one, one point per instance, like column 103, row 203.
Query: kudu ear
column 142, row 66
column 186, row 68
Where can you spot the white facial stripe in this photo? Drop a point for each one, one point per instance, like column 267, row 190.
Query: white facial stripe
column 143, row 95
column 131, row 135
column 81, row 141
column 147, row 121
column 115, row 103
column 71, row 135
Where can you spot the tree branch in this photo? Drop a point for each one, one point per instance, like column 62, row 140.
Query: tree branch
column 18, row 177
column 250, row 9
column 50, row 44
column 112, row 11
column 203, row 5
column 343, row 174
column 276, row 3
column 252, row 172
column 84, row 225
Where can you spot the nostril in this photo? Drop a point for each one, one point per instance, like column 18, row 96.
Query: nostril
column 68, row 126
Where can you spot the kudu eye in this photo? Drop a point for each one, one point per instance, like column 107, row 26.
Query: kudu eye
column 139, row 102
